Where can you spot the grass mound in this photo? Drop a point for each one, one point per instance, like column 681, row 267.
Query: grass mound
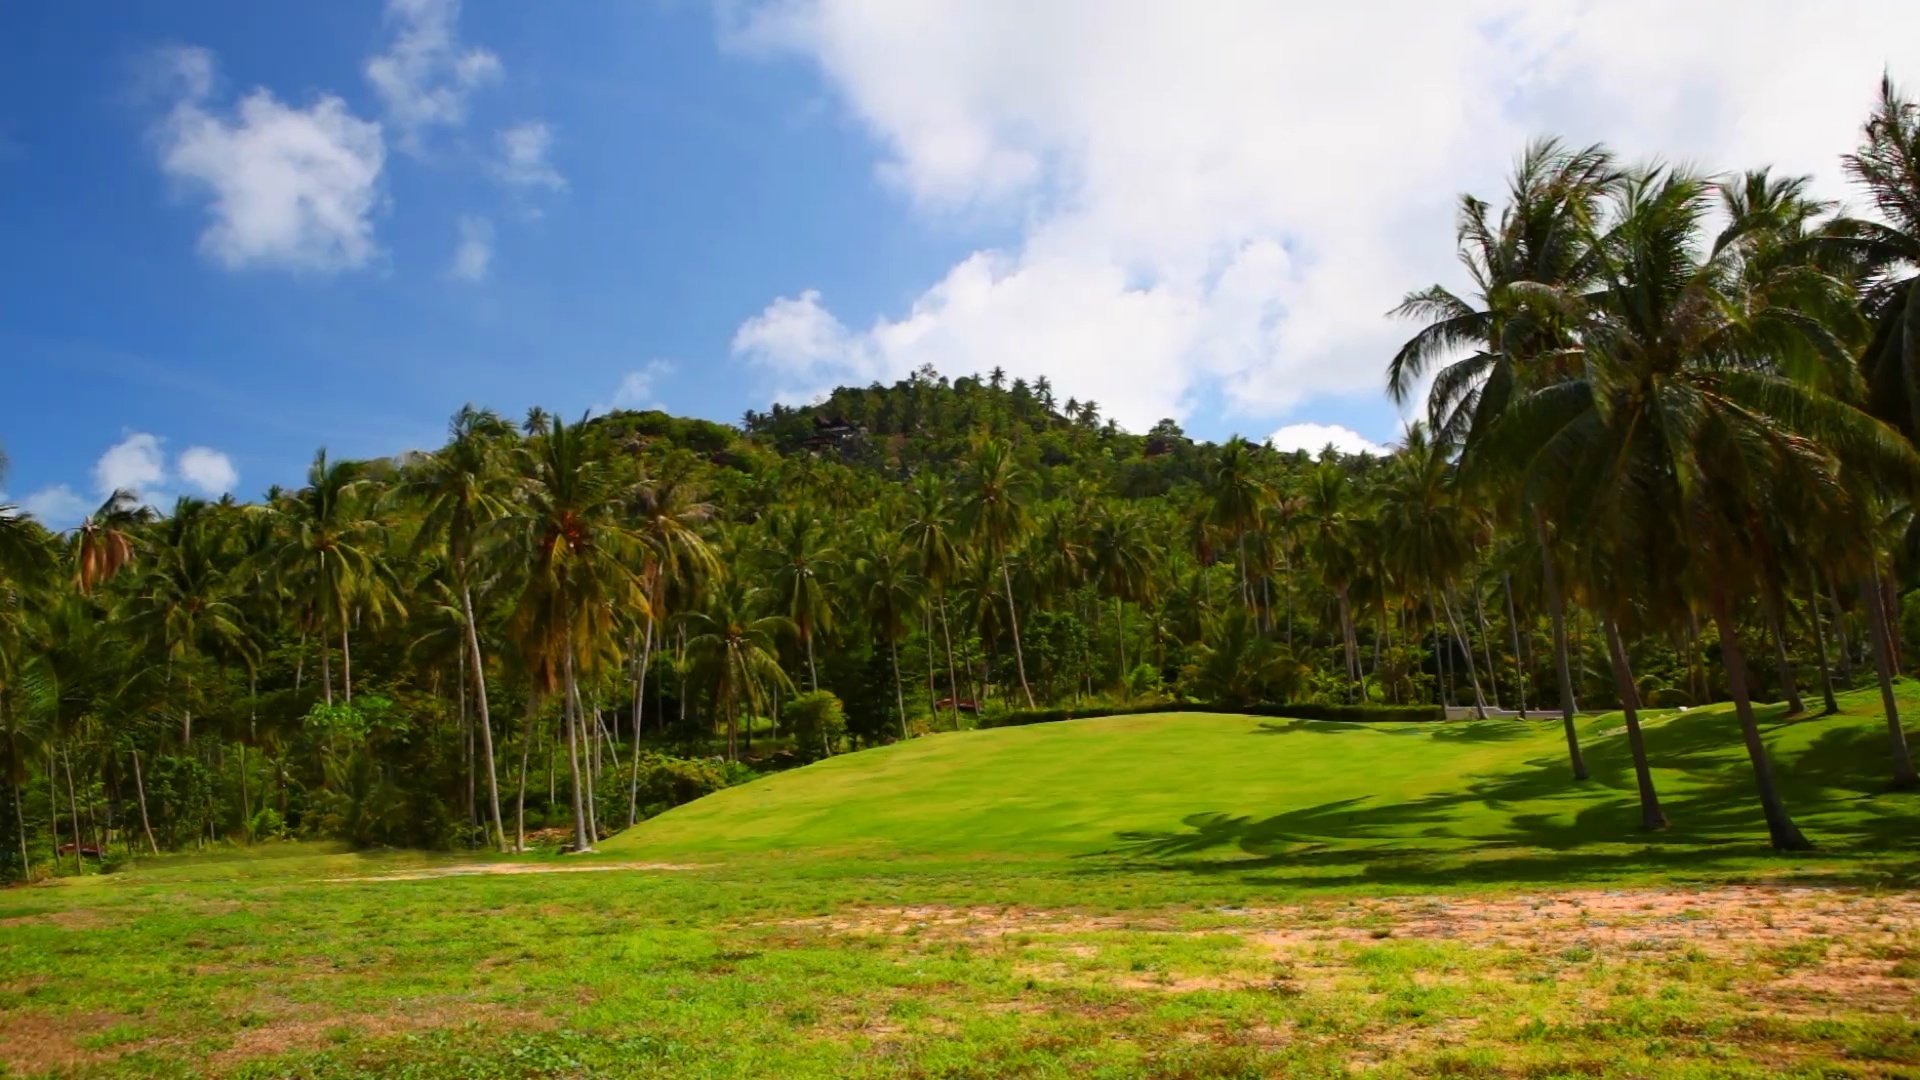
column 1232, row 790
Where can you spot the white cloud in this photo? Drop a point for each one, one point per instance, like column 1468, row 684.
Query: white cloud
column 57, row 507
column 637, row 389
column 135, row 463
column 1228, row 197
column 523, row 160
column 208, row 470
column 288, row 187
column 1315, row 437
column 426, row 75
column 474, row 255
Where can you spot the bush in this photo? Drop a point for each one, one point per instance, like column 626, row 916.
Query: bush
column 817, row 721
column 667, row 782
column 1351, row 714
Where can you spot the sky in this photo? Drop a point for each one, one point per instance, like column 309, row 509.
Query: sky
column 234, row 233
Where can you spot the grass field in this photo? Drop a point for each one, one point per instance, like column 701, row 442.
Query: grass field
column 1171, row 896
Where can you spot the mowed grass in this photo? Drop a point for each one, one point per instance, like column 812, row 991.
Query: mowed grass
column 1171, row 896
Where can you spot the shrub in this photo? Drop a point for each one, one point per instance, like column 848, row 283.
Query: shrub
column 666, row 782
column 817, row 722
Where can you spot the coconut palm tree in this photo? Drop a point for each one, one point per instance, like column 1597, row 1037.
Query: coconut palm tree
column 1330, row 515
column 1885, row 252
column 461, row 488
column 1429, row 533
column 931, row 533
column 994, row 515
column 802, row 558
column 105, row 543
column 1239, row 495
column 186, row 600
column 737, row 650
column 891, row 593
column 332, row 559
column 1124, row 562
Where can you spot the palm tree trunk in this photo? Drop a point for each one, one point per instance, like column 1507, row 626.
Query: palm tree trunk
column 526, row 756
column 813, row 675
column 1466, row 650
column 589, row 753
column 1346, row 638
column 953, row 676
column 1903, row 774
column 1840, row 635
column 1557, row 609
column 1651, row 816
column 20, row 819
column 326, row 670
column 140, row 790
column 899, row 690
column 1013, row 620
column 1789, row 688
column 1519, row 662
column 346, row 664
column 73, row 803
column 570, row 720
column 933, row 689
column 1820, row 642
column 1486, row 645
column 639, row 692
column 1120, row 634
column 1786, row 836
column 486, row 717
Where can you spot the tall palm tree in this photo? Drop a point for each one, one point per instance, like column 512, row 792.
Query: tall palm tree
column 1885, row 252
column 738, row 650
column 1429, row 533
column 931, row 533
column 1239, row 495
column 890, row 592
column 802, row 556
column 1330, row 515
column 186, row 600
column 993, row 513
column 578, row 558
column 1125, row 563
column 332, row 558
column 461, row 488
column 105, row 543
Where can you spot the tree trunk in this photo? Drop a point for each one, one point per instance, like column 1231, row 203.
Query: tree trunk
column 1820, row 641
column 1486, row 645
column 486, row 717
column 639, row 692
column 1346, row 638
column 1651, row 816
column 1840, row 635
column 1903, row 774
column 526, row 756
column 346, row 664
column 1120, row 634
column 899, row 690
column 813, row 676
column 933, row 688
column 1013, row 620
column 1466, row 649
column 20, row 819
column 589, row 753
column 1789, row 688
column 570, row 720
column 1519, row 663
column 953, row 678
column 326, row 670
column 73, row 804
column 1557, row 610
column 140, row 790
column 1785, row 835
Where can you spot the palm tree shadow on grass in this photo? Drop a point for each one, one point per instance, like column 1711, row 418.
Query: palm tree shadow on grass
column 1583, row 833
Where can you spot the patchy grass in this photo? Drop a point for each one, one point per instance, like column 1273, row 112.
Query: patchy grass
column 1165, row 897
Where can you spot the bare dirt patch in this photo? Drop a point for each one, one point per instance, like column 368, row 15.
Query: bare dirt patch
column 489, row 869
column 38, row 1042
column 72, row 919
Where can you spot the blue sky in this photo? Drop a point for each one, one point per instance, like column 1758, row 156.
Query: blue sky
column 235, row 233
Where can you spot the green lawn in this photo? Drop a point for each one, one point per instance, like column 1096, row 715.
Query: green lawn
column 1170, row 896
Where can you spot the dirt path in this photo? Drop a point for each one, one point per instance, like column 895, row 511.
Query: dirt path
column 484, row 869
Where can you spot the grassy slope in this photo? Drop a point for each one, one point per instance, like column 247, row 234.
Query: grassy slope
column 1221, row 789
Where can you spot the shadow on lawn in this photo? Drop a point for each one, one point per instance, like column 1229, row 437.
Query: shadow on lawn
column 1539, row 825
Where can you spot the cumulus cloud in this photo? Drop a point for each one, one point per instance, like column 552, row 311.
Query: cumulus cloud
column 638, row 389
column 208, row 470
column 1314, row 438
column 474, row 254
column 1226, row 197
column 426, row 74
column 135, row 463
column 286, row 186
column 523, row 157
column 57, row 507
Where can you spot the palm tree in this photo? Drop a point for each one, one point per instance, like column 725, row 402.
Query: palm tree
column 802, row 554
column 104, row 544
column 331, row 559
column 1239, row 495
column 1429, row 533
column 577, row 556
column 929, row 532
column 1125, row 564
column 993, row 513
column 739, row 652
column 1886, row 255
column 1330, row 514
column 890, row 592
column 186, row 601
column 461, row 488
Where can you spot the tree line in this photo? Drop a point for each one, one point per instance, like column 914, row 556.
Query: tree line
column 1666, row 459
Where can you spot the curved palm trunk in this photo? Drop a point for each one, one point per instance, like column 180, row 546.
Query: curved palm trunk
column 1013, row 620
column 813, row 675
column 953, row 676
column 1903, row 773
column 899, row 690
column 1557, row 609
column 1120, row 635
column 1519, row 663
column 1486, row 646
column 20, row 819
column 486, row 717
column 1347, row 640
column 1789, row 688
column 571, row 721
column 526, row 757
column 1785, row 835
column 1651, row 816
column 73, row 803
column 639, row 691
column 139, row 789
column 346, row 664
column 1466, row 649
column 1820, row 642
